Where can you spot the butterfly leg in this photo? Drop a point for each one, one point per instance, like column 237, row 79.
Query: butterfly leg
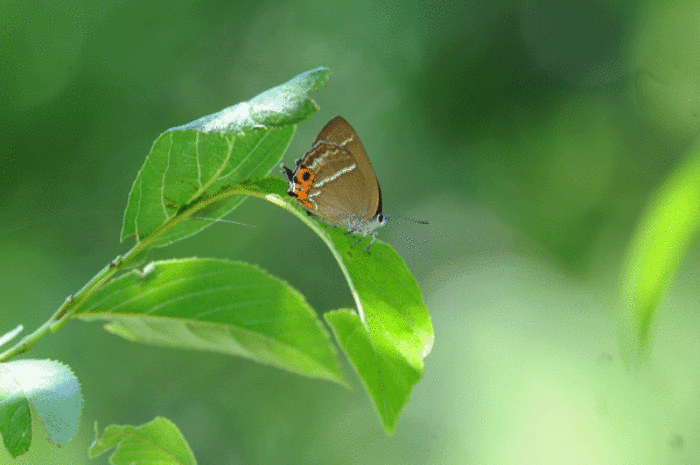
column 374, row 238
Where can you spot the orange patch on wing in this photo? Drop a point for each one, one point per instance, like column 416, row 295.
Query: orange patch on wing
column 303, row 180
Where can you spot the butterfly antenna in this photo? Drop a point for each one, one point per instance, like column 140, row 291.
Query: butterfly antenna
column 408, row 218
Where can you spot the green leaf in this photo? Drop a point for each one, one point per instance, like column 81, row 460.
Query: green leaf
column 391, row 335
column 15, row 417
column 388, row 350
column 190, row 165
column 157, row 442
column 661, row 240
column 54, row 392
column 217, row 305
column 386, row 374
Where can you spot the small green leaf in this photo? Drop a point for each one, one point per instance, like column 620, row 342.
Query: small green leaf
column 661, row 240
column 221, row 306
column 190, row 164
column 15, row 418
column 54, row 392
column 158, row 442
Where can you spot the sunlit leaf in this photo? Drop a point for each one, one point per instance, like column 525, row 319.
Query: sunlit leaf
column 158, row 442
column 190, row 164
column 51, row 389
column 385, row 373
column 388, row 351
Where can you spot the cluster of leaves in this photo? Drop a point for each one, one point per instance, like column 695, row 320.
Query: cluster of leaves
column 207, row 168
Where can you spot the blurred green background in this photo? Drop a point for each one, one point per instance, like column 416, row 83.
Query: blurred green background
column 530, row 134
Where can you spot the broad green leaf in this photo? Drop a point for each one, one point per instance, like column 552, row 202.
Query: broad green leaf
column 385, row 372
column 217, row 305
column 158, row 442
column 54, row 392
column 661, row 240
column 189, row 165
column 387, row 348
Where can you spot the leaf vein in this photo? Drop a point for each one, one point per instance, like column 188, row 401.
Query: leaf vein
column 234, row 170
column 165, row 173
column 271, row 154
column 216, row 176
column 195, row 294
column 138, row 208
column 155, row 289
column 199, row 165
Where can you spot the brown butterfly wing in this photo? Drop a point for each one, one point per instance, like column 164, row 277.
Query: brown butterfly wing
column 337, row 185
column 356, row 190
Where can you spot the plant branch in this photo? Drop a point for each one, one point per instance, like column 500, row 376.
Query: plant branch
column 74, row 302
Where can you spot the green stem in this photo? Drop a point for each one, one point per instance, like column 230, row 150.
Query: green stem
column 59, row 318
column 74, row 302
